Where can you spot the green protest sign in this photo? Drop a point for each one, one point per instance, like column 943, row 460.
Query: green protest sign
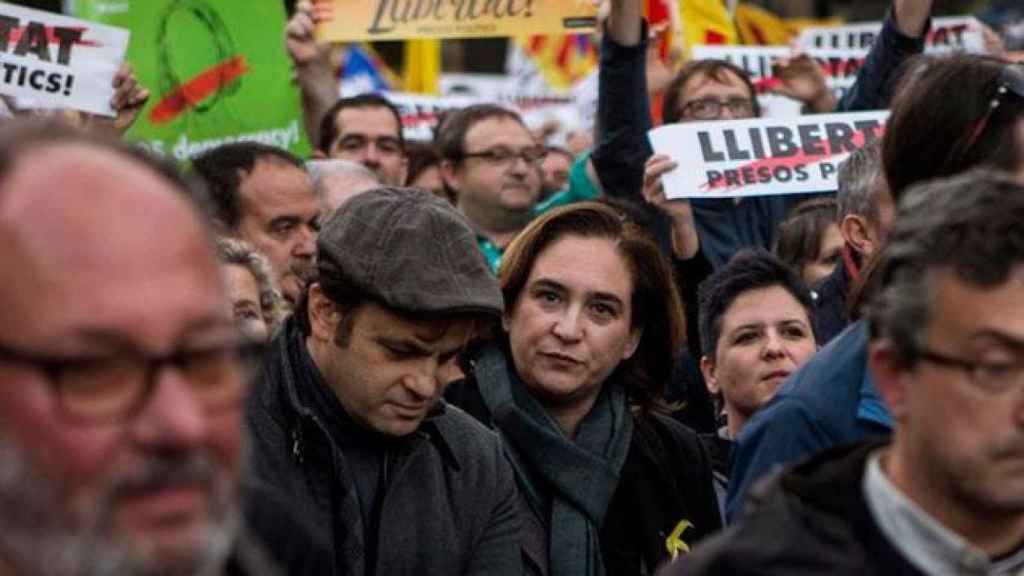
column 217, row 72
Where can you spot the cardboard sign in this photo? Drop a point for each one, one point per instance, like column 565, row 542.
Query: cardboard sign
column 217, row 74
column 948, row 34
column 762, row 156
column 839, row 66
column 359, row 20
column 59, row 62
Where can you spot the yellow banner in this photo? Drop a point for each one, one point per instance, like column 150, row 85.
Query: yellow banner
column 359, row 20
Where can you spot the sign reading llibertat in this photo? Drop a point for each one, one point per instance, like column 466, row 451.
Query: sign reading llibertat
column 358, row 20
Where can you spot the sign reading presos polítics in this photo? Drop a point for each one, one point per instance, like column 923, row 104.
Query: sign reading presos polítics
column 57, row 61
column 360, row 20
column 948, row 34
column 840, row 68
column 762, row 156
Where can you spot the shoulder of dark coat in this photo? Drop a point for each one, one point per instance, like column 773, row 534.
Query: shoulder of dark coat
column 462, row 438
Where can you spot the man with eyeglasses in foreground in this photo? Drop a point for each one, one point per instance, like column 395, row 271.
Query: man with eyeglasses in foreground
column 946, row 494
column 121, row 372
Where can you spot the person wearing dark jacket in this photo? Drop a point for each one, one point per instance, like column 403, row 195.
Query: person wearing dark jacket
column 833, row 399
column 607, row 485
column 864, row 213
column 755, row 328
column 348, row 424
column 945, row 495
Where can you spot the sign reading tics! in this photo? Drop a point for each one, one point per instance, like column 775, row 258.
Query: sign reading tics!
column 762, row 156
column 361, row 20
column 59, row 62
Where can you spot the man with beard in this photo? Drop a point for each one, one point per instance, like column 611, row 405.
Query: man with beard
column 946, row 494
column 264, row 196
column 121, row 380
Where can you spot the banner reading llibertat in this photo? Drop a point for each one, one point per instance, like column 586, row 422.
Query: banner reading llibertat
column 217, row 72
column 359, row 20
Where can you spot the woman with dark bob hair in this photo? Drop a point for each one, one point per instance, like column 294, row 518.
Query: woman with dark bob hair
column 593, row 322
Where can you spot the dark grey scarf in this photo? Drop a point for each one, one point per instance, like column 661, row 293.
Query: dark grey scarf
column 578, row 477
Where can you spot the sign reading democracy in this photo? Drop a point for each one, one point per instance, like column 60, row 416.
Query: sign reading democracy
column 840, row 67
column 762, row 156
column 948, row 34
column 359, row 20
column 59, row 62
column 213, row 74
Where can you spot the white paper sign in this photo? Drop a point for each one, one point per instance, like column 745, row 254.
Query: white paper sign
column 762, row 156
column 839, row 66
column 948, row 34
column 59, row 61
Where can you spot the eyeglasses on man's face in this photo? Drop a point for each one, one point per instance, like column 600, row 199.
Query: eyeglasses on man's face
column 994, row 377
column 711, row 108
column 113, row 387
column 504, row 156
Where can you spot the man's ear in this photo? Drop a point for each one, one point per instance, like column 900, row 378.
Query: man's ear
column 858, row 234
column 323, row 315
column 707, row 368
column 890, row 375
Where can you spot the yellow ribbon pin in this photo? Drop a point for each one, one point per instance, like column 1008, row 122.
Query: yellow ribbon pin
column 674, row 543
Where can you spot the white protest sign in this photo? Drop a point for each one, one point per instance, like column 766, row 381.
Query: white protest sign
column 762, row 156
column 59, row 61
column 948, row 34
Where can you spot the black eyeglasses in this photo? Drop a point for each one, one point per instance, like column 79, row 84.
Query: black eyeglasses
column 115, row 387
column 1010, row 81
column 711, row 108
column 995, row 377
column 503, row 156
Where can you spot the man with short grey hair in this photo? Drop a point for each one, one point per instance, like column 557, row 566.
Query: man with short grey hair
column 944, row 495
column 335, row 181
column 348, row 422
column 864, row 214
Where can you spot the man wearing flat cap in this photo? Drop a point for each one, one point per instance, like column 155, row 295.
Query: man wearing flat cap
column 348, row 422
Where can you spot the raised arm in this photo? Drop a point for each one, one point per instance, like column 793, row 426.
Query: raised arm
column 312, row 67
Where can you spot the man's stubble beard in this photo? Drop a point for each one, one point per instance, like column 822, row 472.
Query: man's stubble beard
column 39, row 537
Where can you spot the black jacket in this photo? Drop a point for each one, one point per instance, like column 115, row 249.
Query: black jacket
column 830, row 314
column 450, row 500
column 809, row 519
column 666, row 480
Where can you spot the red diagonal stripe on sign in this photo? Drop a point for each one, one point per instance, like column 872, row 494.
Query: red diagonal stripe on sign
column 17, row 32
column 205, row 84
column 789, row 161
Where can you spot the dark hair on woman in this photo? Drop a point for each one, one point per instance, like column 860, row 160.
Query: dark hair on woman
column 950, row 114
column 422, row 156
column 709, row 68
column 657, row 308
column 748, row 270
column 798, row 242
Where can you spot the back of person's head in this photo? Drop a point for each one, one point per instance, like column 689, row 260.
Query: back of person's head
column 717, row 70
column 950, row 114
column 858, row 182
column 970, row 225
column 748, row 270
column 800, row 236
column 329, row 129
column 224, row 168
column 655, row 303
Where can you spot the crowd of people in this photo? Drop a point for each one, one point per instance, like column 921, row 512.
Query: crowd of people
column 486, row 354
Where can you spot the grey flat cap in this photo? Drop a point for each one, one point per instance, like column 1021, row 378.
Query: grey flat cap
column 410, row 250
